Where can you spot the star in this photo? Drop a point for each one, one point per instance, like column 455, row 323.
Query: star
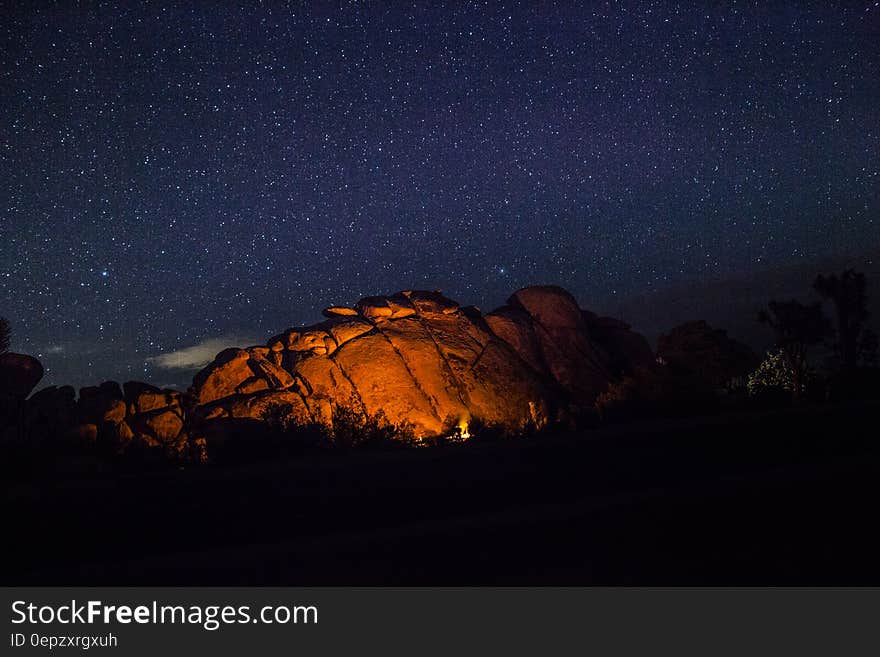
column 224, row 183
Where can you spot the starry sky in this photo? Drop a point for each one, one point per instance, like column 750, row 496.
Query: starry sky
column 178, row 178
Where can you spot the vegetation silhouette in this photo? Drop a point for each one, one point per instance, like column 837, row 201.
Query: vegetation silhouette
column 798, row 327
column 855, row 343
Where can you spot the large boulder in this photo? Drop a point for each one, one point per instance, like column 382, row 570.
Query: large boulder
column 418, row 358
column 243, row 371
column 101, row 403
column 51, row 413
column 155, row 417
column 19, row 374
column 157, row 427
column 547, row 328
column 627, row 350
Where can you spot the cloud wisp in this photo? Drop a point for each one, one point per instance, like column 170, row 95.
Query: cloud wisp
column 198, row 355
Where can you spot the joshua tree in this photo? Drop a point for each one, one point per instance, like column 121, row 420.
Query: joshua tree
column 797, row 327
column 4, row 335
column 848, row 294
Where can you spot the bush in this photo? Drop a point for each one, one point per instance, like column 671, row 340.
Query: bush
column 354, row 428
column 773, row 373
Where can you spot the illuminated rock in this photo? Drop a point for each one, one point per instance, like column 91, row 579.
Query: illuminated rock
column 339, row 311
column 157, row 427
column 415, row 357
column 142, row 397
column 343, row 330
column 374, row 308
column 221, row 378
column 419, row 359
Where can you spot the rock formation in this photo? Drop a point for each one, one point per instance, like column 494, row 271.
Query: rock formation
column 415, row 357
column 696, row 349
column 134, row 416
column 420, row 358
column 19, row 374
column 137, row 413
column 577, row 349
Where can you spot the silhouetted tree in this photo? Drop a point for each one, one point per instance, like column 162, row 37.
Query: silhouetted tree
column 797, row 327
column 5, row 335
column 848, row 294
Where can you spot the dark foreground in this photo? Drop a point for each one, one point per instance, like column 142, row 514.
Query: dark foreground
column 783, row 497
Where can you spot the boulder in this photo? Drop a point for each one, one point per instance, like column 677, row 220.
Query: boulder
column 19, row 374
column 157, row 427
column 114, row 436
column 547, row 328
column 383, row 383
column 51, row 411
column 628, row 351
column 252, row 385
column 374, row 308
column 102, row 403
column 275, row 377
column 221, row 378
column 697, row 349
column 339, row 311
column 341, row 331
column 428, row 303
column 85, row 433
column 142, row 398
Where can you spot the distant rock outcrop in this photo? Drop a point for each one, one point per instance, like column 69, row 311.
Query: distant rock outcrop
column 116, row 418
column 138, row 412
column 418, row 357
column 696, row 349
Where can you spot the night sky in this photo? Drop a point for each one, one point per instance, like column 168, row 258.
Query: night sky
column 200, row 176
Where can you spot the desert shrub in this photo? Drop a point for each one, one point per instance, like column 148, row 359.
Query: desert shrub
column 353, row 428
column 282, row 424
column 274, row 435
column 482, row 431
column 773, row 382
column 773, row 374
